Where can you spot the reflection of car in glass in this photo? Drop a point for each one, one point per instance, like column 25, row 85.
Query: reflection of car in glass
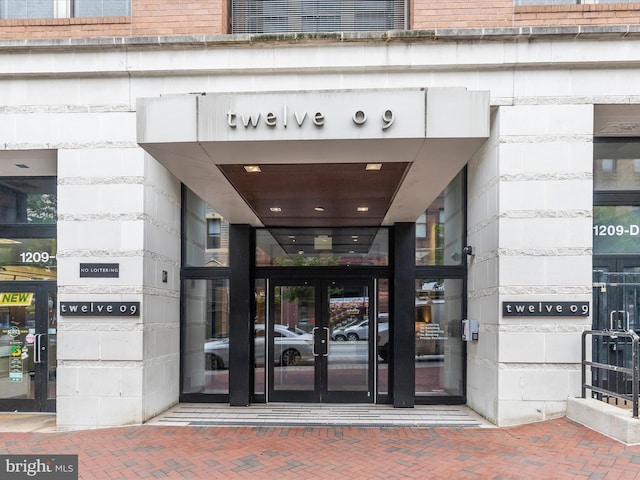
column 383, row 340
column 358, row 330
column 306, row 324
column 292, row 346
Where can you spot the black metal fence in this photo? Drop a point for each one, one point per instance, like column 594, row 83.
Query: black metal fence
column 614, row 341
column 615, row 375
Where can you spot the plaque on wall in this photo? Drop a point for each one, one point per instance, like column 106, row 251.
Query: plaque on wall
column 100, row 270
column 100, row 309
column 545, row 309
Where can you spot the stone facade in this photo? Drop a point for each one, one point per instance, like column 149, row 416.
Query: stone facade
column 529, row 186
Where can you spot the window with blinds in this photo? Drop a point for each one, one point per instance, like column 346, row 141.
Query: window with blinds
column 101, row 8
column 282, row 16
column 16, row 9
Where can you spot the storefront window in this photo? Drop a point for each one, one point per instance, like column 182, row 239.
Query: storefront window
column 30, row 200
column 440, row 229
column 260, row 353
column 206, row 336
column 206, row 234
column 616, row 165
column 439, row 360
column 383, row 337
column 28, row 259
column 616, row 229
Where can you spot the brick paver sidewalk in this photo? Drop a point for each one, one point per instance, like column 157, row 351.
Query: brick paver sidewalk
column 556, row 449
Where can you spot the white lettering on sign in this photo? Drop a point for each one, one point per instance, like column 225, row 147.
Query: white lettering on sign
column 284, row 118
column 99, row 269
column 511, row 309
column 616, row 230
column 123, row 309
column 35, row 257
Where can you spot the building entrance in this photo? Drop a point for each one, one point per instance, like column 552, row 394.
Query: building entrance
column 27, row 346
column 321, row 340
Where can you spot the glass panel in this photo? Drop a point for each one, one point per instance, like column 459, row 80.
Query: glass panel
column 30, row 200
column 28, row 259
column 279, row 16
column 437, row 336
column 53, row 344
column 101, row 8
column 201, row 250
column 439, row 231
column 615, row 165
column 294, row 306
column 15, row 9
column 383, row 336
column 303, row 247
column 17, row 327
column 206, row 336
column 348, row 364
column 616, row 229
column 260, row 320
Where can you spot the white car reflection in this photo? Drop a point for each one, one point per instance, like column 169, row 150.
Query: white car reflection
column 292, row 346
column 354, row 331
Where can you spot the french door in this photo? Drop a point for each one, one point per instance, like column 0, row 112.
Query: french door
column 28, row 331
column 320, row 340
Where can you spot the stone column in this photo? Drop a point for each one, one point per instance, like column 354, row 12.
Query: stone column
column 530, row 222
column 117, row 205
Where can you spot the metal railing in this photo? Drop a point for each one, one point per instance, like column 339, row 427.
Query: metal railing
column 613, row 377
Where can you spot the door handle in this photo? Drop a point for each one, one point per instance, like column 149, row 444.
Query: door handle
column 620, row 322
column 313, row 332
column 325, row 340
column 40, row 347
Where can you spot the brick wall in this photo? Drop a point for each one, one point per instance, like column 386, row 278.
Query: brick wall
column 430, row 14
column 183, row 17
column 555, row 15
column 148, row 18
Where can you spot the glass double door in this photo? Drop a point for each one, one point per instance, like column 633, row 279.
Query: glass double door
column 320, row 344
column 27, row 346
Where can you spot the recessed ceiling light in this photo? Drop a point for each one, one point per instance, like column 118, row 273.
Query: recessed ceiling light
column 252, row 169
column 374, row 166
column 275, row 209
column 362, row 209
column 319, row 209
column 21, row 165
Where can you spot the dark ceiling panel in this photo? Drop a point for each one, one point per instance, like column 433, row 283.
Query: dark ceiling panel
column 297, row 189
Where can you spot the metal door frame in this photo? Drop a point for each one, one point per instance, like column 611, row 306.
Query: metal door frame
column 40, row 402
column 320, row 393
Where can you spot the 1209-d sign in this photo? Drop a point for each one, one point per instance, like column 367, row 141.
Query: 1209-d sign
column 545, row 309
